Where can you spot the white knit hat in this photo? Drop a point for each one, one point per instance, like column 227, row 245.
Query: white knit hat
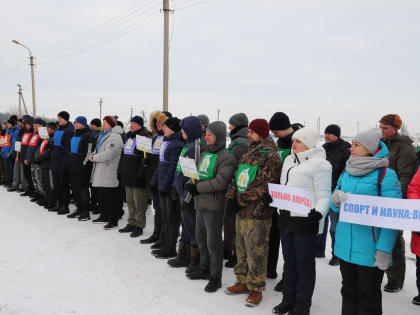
column 369, row 139
column 308, row 136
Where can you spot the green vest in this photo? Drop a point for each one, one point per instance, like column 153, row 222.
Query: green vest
column 283, row 153
column 206, row 165
column 183, row 152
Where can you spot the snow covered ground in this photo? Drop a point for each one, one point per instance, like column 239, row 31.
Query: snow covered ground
column 53, row 265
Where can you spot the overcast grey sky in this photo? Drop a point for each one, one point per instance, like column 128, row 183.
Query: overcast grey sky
column 345, row 61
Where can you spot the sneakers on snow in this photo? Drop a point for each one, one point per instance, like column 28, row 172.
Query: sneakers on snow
column 127, row 229
column 110, row 226
column 279, row 286
column 137, row 231
column 75, row 214
column 213, row 285
column 253, row 299
column 282, row 308
column 237, row 288
column 391, row 288
column 334, row 261
column 416, row 300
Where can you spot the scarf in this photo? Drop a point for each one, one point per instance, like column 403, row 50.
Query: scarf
column 359, row 166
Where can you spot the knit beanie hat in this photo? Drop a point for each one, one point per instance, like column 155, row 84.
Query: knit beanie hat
column 81, row 120
column 308, row 136
column 261, row 127
column 52, row 125
column 96, row 122
column 218, row 128
column 13, row 117
column 239, row 119
column 39, row 121
column 64, row 115
column 334, row 130
column 138, row 120
column 12, row 122
column 393, row 120
column 110, row 120
column 369, row 139
column 167, row 114
column 280, row 121
column 173, row 124
column 204, row 119
column 29, row 120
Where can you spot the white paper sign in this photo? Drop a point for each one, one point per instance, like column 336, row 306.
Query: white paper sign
column 290, row 198
column 392, row 213
column 189, row 169
column 17, row 146
column 144, row 144
column 43, row 133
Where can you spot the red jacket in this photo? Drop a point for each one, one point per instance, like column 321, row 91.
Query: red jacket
column 414, row 193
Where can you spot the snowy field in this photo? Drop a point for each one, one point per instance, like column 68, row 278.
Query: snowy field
column 53, row 265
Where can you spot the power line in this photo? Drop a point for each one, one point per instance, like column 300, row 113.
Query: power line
column 192, row 5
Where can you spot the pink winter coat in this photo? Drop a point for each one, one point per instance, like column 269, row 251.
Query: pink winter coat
column 414, row 193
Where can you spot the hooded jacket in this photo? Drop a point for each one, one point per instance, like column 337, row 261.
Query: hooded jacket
column 357, row 244
column 414, row 193
column 338, row 153
column 61, row 149
column 310, row 171
column 106, row 159
column 251, row 205
column 402, row 159
column 239, row 142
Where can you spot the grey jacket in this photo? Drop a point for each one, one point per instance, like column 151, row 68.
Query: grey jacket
column 106, row 159
column 212, row 192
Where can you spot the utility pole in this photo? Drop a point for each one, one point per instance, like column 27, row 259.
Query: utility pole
column 166, row 12
column 131, row 113
column 143, row 113
column 31, row 59
column 20, row 103
column 100, row 108
column 218, row 114
column 358, row 127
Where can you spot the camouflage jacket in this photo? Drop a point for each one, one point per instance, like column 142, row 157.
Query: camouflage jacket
column 251, row 205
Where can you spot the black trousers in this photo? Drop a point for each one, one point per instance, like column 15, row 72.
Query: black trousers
column 158, row 216
column 418, row 273
column 171, row 220
column 61, row 179
column 28, row 176
column 109, row 202
column 299, row 268
column 273, row 245
column 46, row 177
column 80, row 190
column 361, row 289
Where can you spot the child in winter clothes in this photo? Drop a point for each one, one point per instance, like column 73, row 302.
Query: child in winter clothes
column 414, row 193
column 364, row 251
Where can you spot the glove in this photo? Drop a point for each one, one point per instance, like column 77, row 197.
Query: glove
column 164, row 193
column 314, row 216
column 192, row 189
column 382, row 260
column 232, row 207
column 338, row 197
column 267, row 199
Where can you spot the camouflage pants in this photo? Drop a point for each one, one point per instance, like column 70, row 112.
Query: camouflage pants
column 252, row 238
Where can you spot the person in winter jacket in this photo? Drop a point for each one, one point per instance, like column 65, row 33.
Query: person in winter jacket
column 105, row 160
column 58, row 163
column 188, row 252
column 8, row 148
column 402, row 159
column 133, row 178
column 42, row 158
column 163, row 180
column 20, row 183
column 282, row 128
column 4, row 172
column 248, row 196
column 81, row 144
column 413, row 192
column 308, row 169
column 156, row 122
column 95, row 126
column 215, row 170
column 27, row 136
column 364, row 251
column 238, row 126
column 338, row 153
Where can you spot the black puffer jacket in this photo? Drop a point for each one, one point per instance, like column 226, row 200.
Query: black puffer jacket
column 78, row 148
column 338, row 153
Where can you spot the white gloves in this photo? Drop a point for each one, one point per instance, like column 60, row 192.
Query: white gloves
column 382, row 260
column 338, row 197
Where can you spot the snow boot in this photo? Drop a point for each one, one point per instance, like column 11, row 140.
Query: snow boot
column 253, row 299
column 137, row 231
column 128, row 229
column 237, row 288
column 195, row 259
column 199, row 274
column 213, row 285
column 166, row 253
column 183, row 258
column 151, row 239
column 282, row 308
column 75, row 214
column 416, row 300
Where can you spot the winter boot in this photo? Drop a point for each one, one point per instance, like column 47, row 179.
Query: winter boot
column 75, row 214
column 195, row 260
column 237, row 288
column 111, row 226
column 183, row 258
column 41, row 202
column 55, row 209
column 282, row 308
column 157, row 245
column 231, row 262
column 63, row 210
column 253, row 299
column 128, row 229
column 213, row 285
column 137, row 231
column 416, row 300
column 279, row 286
column 166, row 253
column 199, row 274
column 84, row 216
column 151, row 239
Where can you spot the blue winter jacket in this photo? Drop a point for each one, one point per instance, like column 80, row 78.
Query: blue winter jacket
column 7, row 151
column 355, row 243
column 164, row 175
column 192, row 127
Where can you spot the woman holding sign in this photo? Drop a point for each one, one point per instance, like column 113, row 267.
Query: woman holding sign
column 364, row 251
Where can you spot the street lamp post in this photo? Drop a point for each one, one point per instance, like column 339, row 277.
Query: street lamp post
column 31, row 62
